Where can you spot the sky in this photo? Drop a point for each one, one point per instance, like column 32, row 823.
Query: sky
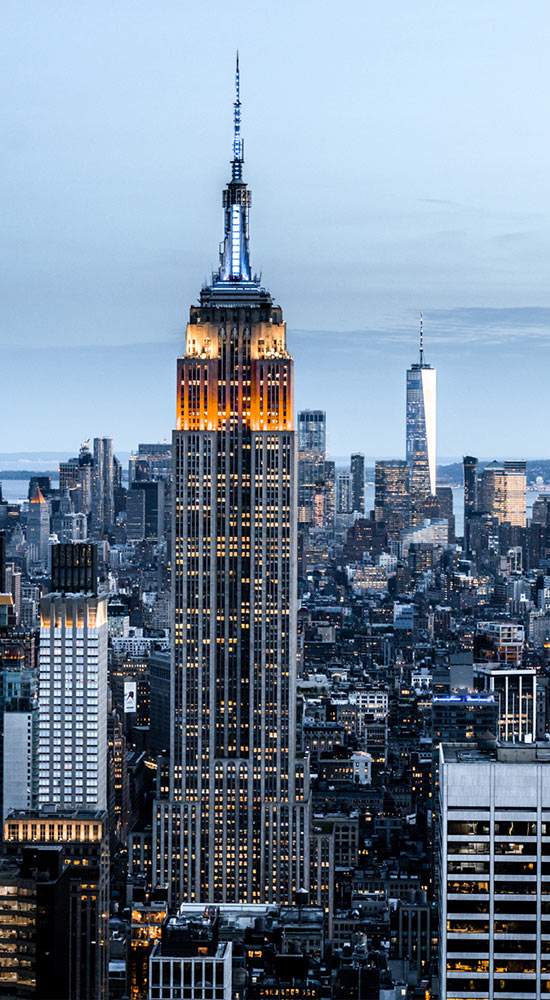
column 399, row 159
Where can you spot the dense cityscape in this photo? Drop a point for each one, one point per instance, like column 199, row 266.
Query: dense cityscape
column 271, row 727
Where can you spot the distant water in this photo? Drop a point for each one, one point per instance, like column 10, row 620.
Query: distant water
column 17, row 490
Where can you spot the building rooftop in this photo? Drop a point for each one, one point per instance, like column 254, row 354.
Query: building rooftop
column 57, row 812
column 494, row 667
column 171, row 946
column 502, row 753
column 38, row 496
column 476, row 699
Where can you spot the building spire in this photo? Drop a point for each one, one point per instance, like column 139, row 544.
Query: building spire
column 421, row 338
column 234, row 251
column 238, row 145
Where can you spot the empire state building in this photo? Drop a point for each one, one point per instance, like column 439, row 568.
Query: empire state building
column 235, row 824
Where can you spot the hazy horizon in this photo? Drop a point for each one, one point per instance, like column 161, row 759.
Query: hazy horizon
column 342, row 461
column 398, row 159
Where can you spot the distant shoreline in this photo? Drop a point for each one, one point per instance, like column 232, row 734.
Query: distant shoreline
column 27, row 473
column 447, row 475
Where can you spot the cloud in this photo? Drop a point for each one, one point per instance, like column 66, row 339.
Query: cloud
column 516, row 237
column 489, row 324
column 443, row 328
column 440, row 201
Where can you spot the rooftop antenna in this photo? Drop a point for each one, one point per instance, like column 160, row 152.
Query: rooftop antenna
column 237, row 172
column 421, row 338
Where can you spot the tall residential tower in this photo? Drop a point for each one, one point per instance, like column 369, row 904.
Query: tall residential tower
column 501, row 492
column 103, row 505
column 493, row 905
column 72, row 697
column 358, row 482
column 38, row 527
column 236, row 827
column 312, row 440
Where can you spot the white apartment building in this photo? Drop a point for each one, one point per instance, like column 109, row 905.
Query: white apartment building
column 72, row 750
column 19, row 763
column 494, row 903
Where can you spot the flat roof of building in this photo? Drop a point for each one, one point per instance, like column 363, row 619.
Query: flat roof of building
column 56, row 813
column 500, row 752
column 474, row 699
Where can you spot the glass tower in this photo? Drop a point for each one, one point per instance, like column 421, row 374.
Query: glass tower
column 235, row 827
column 312, row 435
column 358, row 482
column 391, row 494
column 103, row 506
column 502, row 492
column 421, row 426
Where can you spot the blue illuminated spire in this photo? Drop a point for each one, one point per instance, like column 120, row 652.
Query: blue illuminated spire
column 234, row 251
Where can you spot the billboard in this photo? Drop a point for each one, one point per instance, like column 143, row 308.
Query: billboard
column 130, row 696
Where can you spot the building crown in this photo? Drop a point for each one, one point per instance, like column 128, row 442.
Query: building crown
column 234, row 250
column 38, row 496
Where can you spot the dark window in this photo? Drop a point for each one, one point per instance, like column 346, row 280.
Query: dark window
column 515, row 986
column 468, row 906
column 515, row 927
column 515, row 828
column 515, row 868
column 468, row 985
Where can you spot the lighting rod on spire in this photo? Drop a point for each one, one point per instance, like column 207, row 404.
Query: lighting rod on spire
column 237, row 171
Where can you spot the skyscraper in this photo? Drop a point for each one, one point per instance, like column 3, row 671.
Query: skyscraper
column 69, row 475
column 74, row 568
column 135, row 515
column 502, row 492
column 344, row 492
column 84, row 837
column 492, row 908
column 152, row 461
column 34, row 925
column 145, row 510
column 329, row 495
column 499, row 670
column 19, row 729
column 103, row 503
column 391, row 494
column 236, row 829
column 358, row 483
column 444, row 501
column 469, row 465
column 2, row 555
column 421, row 425
column 312, row 446
column 73, row 698
column 85, row 463
column 38, row 527
column 469, row 468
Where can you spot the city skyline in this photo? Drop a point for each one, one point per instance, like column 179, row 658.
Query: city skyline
column 99, row 242
column 271, row 725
